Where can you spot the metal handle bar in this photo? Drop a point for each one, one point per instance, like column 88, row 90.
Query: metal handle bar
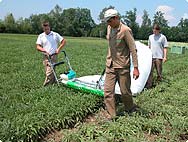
column 64, row 53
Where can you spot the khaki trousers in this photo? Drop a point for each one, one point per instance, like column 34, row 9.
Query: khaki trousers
column 124, row 80
column 50, row 79
column 156, row 64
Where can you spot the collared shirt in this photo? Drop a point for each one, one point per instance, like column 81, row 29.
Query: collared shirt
column 157, row 43
column 49, row 42
column 121, row 45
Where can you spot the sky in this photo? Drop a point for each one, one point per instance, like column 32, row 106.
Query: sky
column 173, row 10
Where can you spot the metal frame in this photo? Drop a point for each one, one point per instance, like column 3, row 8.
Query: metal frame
column 53, row 65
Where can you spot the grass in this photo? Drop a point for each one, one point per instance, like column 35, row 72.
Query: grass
column 29, row 111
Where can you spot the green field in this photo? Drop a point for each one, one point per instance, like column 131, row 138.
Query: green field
column 29, row 111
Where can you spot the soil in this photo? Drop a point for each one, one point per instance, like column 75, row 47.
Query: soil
column 57, row 136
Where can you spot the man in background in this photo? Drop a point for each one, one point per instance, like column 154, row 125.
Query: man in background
column 50, row 44
column 158, row 44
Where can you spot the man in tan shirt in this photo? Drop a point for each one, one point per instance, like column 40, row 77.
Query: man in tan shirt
column 121, row 44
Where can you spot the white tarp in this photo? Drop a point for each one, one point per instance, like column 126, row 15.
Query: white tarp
column 144, row 65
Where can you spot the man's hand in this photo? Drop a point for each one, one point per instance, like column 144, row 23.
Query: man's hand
column 39, row 48
column 58, row 51
column 164, row 59
column 136, row 73
column 45, row 52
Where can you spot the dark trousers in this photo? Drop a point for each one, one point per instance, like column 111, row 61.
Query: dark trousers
column 156, row 64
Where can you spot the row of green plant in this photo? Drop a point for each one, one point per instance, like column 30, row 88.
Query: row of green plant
column 163, row 114
column 29, row 111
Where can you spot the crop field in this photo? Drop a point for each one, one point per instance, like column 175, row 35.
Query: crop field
column 29, row 111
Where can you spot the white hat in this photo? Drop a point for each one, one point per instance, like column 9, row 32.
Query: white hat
column 109, row 14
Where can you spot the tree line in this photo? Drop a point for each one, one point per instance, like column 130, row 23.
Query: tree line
column 78, row 22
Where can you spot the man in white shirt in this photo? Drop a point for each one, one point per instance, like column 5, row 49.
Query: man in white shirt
column 158, row 44
column 50, row 43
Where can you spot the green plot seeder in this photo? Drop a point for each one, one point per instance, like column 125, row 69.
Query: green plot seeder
column 92, row 85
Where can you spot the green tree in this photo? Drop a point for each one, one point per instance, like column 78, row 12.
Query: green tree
column 183, row 23
column 85, row 20
column 159, row 19
column 77, row 22
column 145, row 29
column 35, row 24
column 146, row 21
column 130, row 20
column 182, row 35
column 36, row 21
column 99, row 31
column 24, row 26
column 2, row 26
column 170, row 33
column 10, row 24
column 56, row 18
